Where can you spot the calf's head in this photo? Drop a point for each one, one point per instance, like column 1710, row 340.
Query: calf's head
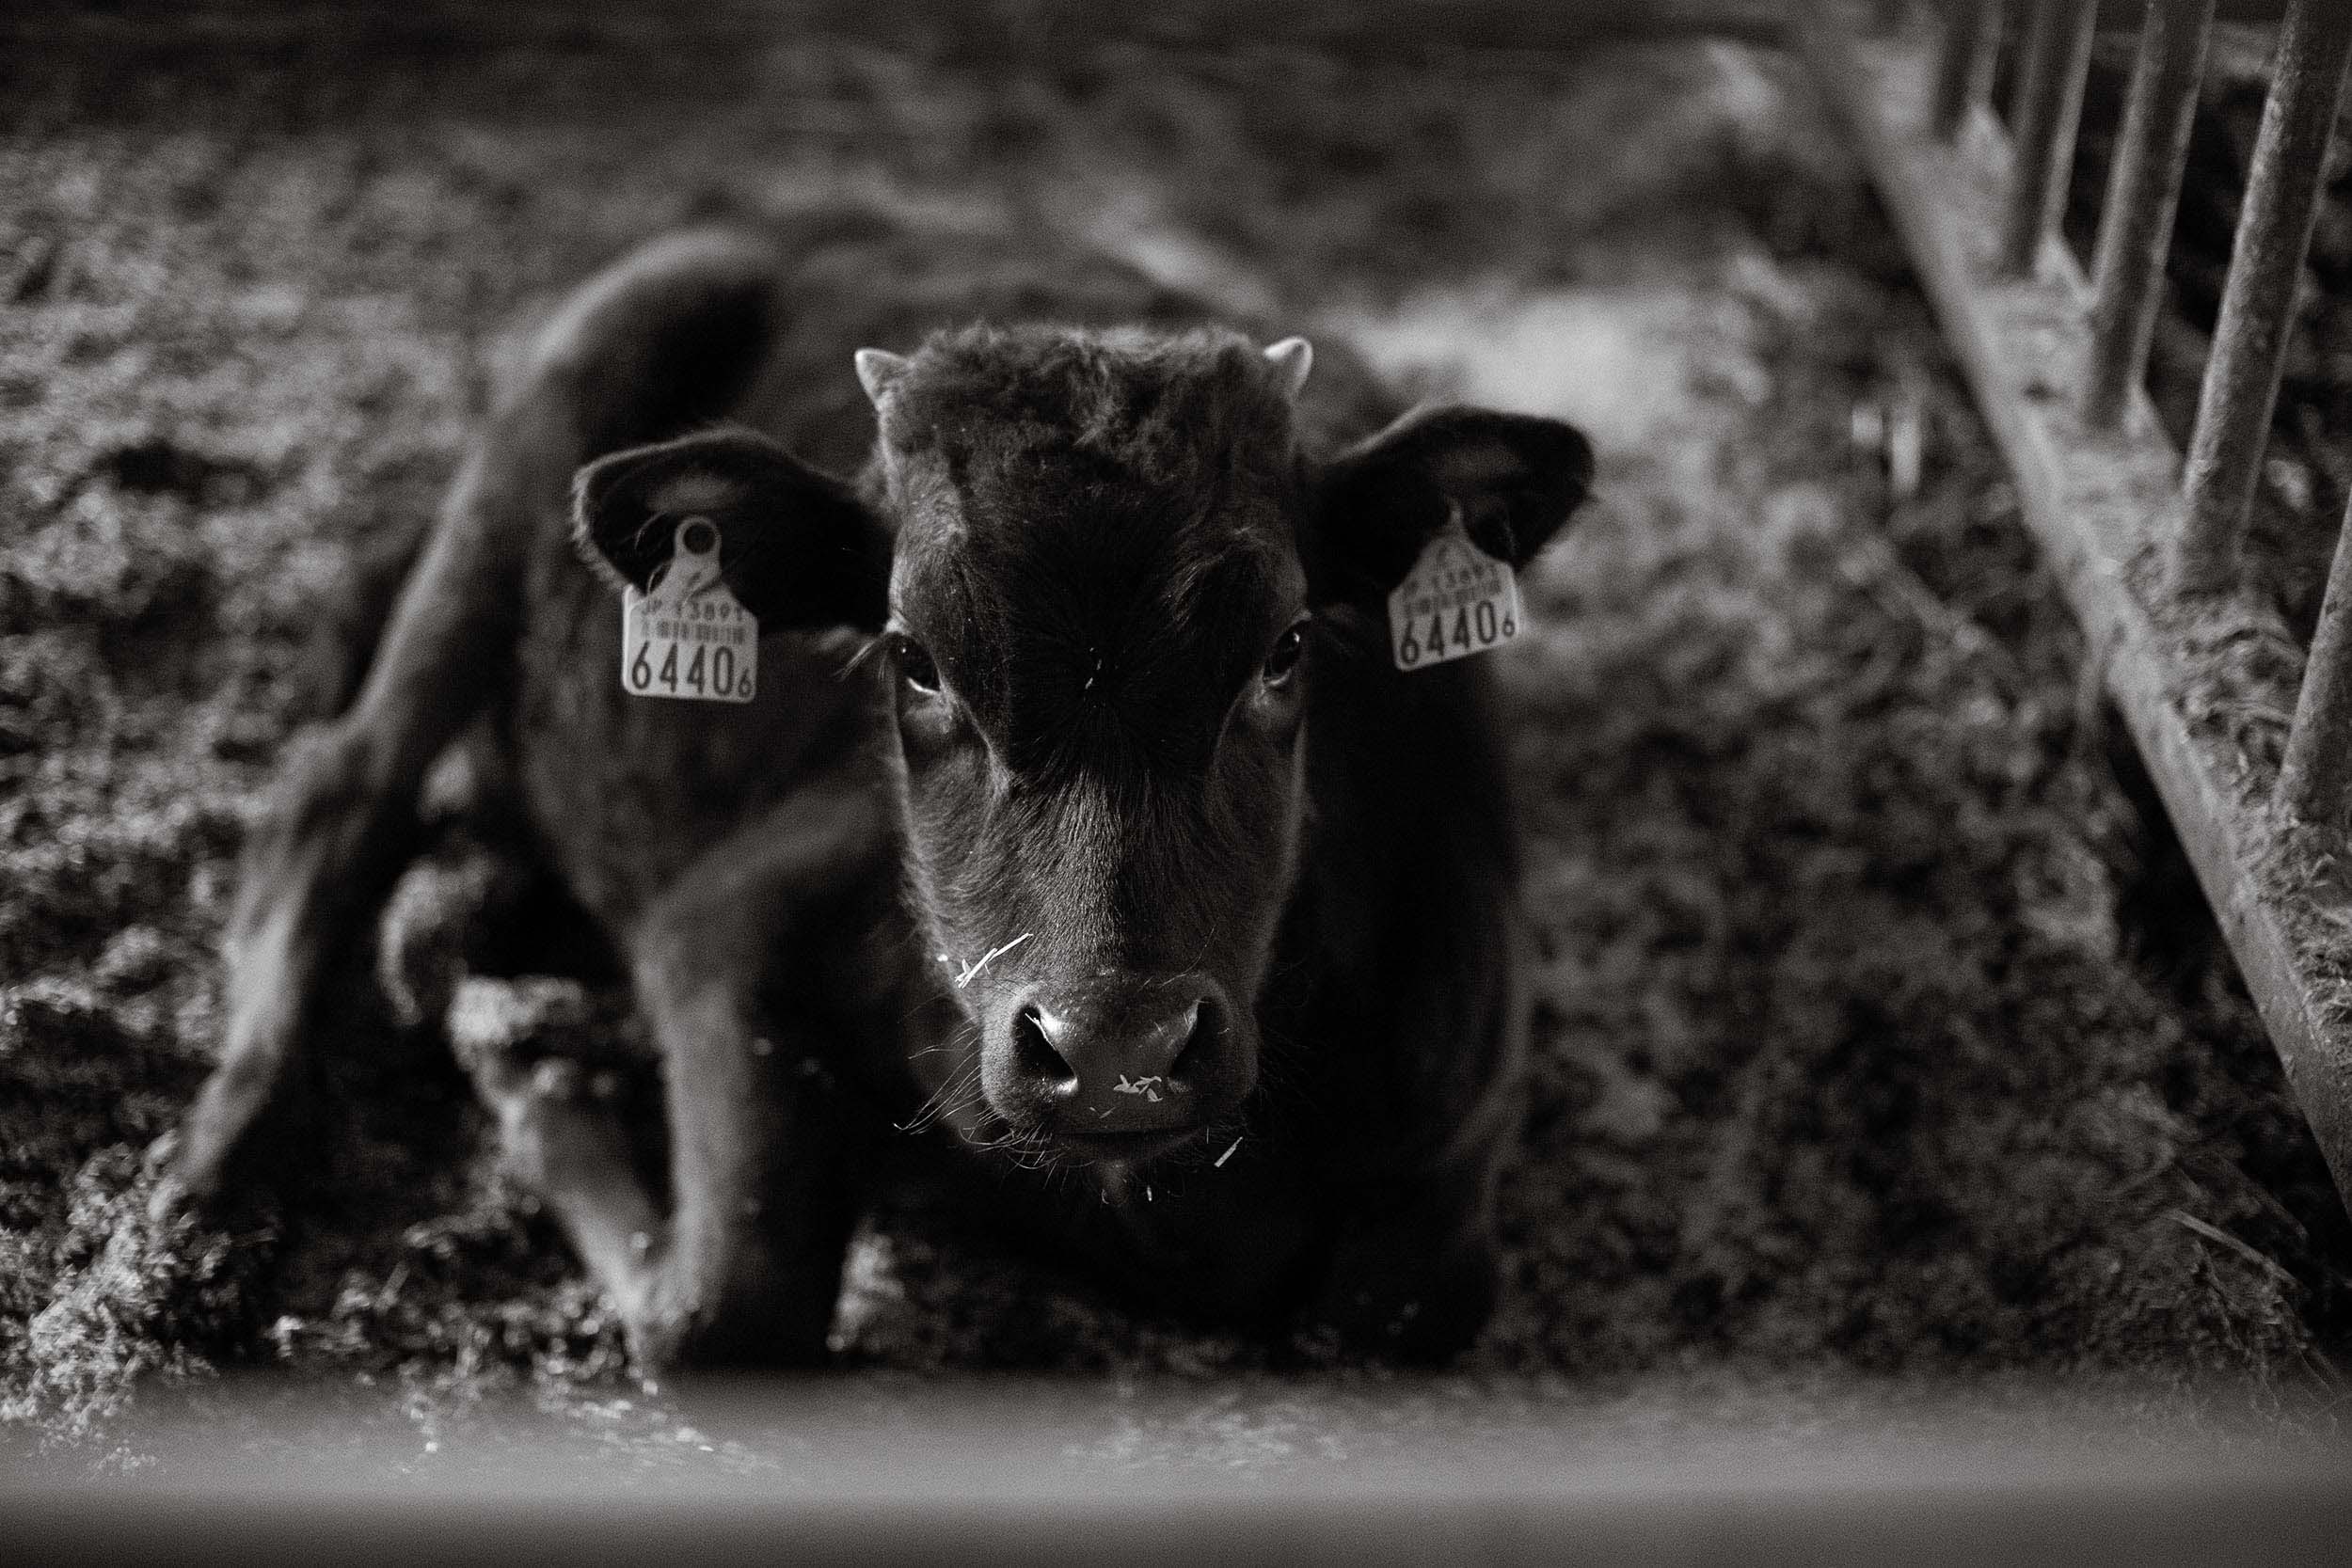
column 1115, row 574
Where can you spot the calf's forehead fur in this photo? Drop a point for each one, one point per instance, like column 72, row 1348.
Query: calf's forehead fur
column 1096, row 529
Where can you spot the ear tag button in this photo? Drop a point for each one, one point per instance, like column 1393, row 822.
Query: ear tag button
column 1457, row 601
column 686, row 636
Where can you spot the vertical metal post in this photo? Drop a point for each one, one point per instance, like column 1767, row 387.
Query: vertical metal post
column 2317, row 773
column 1969, row 26
column 2143, row 191
column 2049, row 106
column 2249, row 344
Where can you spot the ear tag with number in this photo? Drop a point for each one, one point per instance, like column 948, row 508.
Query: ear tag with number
column 686, row 636
column 1457, row 601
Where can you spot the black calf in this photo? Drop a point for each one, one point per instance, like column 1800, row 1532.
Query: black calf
column 1139, row 871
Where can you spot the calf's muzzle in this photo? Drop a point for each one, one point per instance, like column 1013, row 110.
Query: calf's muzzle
column 1107, row 1062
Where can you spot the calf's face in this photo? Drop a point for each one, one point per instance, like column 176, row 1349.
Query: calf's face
column 1099, row 636
column 1113, row 577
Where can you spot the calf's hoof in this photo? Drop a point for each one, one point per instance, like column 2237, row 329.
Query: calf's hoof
column 245, row 1127
column 173, row 1192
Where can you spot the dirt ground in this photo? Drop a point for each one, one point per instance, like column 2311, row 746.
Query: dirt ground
column 1880, row 1037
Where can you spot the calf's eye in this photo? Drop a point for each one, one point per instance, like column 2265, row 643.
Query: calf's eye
column 916, row 667
column 1283, row 661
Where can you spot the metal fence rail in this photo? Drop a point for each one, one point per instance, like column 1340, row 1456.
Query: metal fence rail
column 2144, row 545
column 2249, row 346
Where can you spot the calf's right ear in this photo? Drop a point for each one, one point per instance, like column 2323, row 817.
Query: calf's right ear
column 796, row 546
column 1511, row 481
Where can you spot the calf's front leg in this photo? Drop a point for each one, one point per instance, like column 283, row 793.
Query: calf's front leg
column 766, row 1145
column 1413, row 1275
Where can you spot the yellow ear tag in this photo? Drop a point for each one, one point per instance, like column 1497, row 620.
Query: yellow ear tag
column 1457, row 601
column 686, row 636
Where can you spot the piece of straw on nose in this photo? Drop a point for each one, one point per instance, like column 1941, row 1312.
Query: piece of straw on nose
column 973, row 968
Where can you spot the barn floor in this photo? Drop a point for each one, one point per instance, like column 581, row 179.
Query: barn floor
column 1885, row 1053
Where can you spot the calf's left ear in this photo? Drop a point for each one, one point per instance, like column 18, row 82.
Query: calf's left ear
column 796, row 545
column 1514, row 478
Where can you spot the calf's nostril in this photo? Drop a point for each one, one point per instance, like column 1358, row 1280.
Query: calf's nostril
column 1202, row 1023
column 1036, row 1037
column 1051, row 1025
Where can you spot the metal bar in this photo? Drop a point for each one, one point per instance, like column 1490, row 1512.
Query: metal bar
column 1969, row 26
column 2316, row 776
column 2095, row 508
column 2249, row 344
column 853, row 1467
column 2049, row 107
column 2143, row 191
